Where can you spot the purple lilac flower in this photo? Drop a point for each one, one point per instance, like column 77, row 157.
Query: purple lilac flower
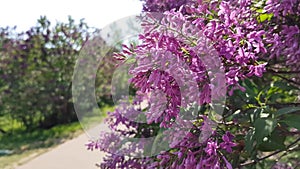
column 211, row 148
column 240, row 41
column 227, row 143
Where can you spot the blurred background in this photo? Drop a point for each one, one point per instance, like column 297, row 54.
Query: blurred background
column 40, row 43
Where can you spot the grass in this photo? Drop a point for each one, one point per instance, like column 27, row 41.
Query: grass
column 24, row 144
column 27, row 145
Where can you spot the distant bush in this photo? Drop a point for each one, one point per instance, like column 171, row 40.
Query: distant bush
column 36, row 69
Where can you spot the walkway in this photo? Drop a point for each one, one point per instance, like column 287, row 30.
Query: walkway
column 71, row 154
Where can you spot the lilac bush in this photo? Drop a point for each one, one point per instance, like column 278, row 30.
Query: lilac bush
column 192, row 55
column 36, row 71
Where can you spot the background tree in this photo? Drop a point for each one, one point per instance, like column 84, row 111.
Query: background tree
column 36, row 69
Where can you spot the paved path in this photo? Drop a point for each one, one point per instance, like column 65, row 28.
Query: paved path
column 69, row 155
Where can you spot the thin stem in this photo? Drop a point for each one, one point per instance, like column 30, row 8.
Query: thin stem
column 284, row 154
column 283, row 72
column 289, row 80
column 272, row 154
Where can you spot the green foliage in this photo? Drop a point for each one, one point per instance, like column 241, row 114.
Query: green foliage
column 273, row 142
column 37, row 70
column 286, row 110
column 22, row 143
column 267, row 114
column 263, row 127
column 292, row 121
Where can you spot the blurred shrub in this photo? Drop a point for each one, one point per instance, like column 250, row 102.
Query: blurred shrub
column 36, row 69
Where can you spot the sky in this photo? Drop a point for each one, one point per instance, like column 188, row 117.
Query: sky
column 97, row 13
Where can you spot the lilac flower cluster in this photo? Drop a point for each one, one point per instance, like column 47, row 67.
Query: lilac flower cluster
column 237, row 35
column 283, row 35
column 121, row 153
column 283, row 8
column 192, row 153
column 185, row 50
column 188, row 152
column 164, row 5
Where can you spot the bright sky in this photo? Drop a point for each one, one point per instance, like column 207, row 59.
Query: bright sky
column 97, row 13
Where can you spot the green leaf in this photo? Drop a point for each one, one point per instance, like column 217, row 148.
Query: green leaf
column 263, row 127
column 287, row 110
column 292, row 121
column 263, row 17
column 274, row 142
column 251, row 87
column 159, row 143
column 284, row 86
column 249, row 141
column 255, row 113
column 260, row 10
